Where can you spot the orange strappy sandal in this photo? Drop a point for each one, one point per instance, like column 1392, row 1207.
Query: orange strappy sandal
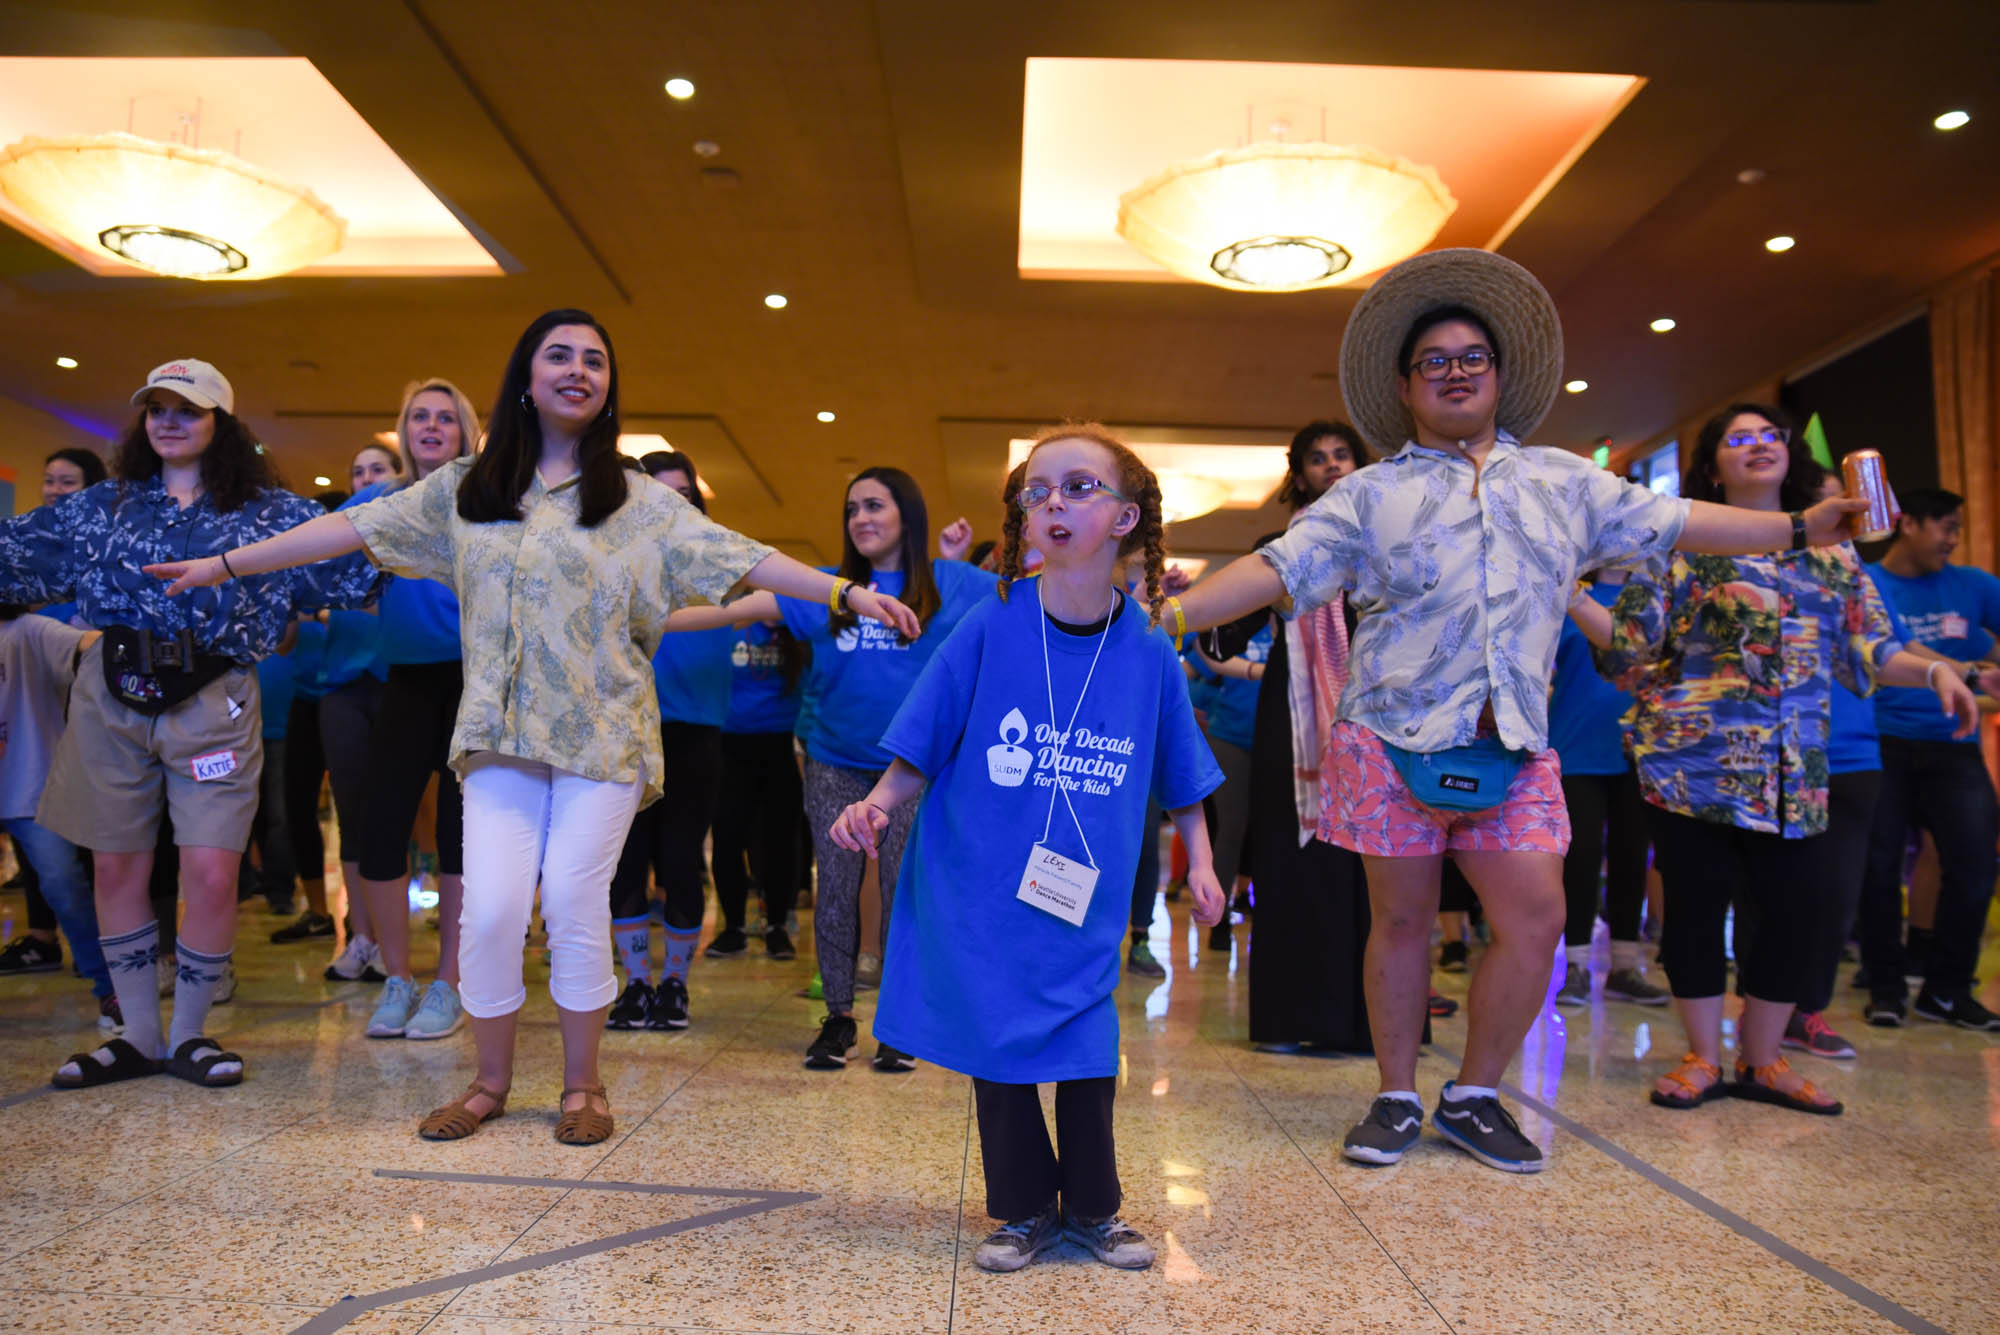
column 1690, row 1094
column 585, row 1125
column 455, row 1121
column 1760, row 1085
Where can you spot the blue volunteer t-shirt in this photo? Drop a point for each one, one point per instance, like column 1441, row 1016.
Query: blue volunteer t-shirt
column 308, row 650
column 977, row 980
column 1852, row 742
column 419, row 622
column 1585, row 710
column 1231, row 702
column 758, row 698
column 1955, row 612
column 861, row 675
column 274, row 694
column 691, row 675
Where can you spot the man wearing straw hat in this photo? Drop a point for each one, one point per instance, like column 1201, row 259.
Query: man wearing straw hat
column 1459, row 551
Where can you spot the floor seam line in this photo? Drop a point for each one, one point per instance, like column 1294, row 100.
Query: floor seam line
column 958, row 1224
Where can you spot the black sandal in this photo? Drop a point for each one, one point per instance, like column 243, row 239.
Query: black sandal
column 200, row 1070
column 127, row 1063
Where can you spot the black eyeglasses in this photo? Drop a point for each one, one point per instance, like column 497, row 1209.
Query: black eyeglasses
column 1476, row 361
column 1073, row 489
column 1770, row 435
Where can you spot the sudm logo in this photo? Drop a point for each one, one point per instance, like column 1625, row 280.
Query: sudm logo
column 1007, row 764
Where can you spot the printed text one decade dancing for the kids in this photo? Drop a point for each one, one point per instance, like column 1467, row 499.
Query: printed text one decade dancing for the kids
column 1082, row 755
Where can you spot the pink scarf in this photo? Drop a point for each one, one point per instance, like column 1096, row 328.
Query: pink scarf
column 1316, row 644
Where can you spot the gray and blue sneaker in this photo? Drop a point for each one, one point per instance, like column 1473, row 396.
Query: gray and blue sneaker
column 1486, row 1131
column 438, row 1015
column 1112, row 1241
column 1389, row 1129
column 1012, row 1246
column 392, row 1013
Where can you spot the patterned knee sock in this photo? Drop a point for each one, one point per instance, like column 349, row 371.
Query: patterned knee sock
column 634, row 939
column 194, row 989
column 680, row 951
column 134, row 960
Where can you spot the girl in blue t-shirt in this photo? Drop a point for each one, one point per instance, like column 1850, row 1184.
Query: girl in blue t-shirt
column 1041, row 727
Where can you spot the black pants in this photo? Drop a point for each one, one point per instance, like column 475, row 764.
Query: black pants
column 666, row 837
column 346, row 723
column 410, row 741
column 1781, row 889
column 1146, row 882
column 1607, row 821
column 757, row 826
column 277, row 877
column 1850, row 820
column 1942, row 787
column 305, row 771
column 1024, row 1173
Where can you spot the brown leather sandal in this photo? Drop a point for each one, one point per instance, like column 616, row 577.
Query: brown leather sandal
column 585, row 1125
column 455, row 1121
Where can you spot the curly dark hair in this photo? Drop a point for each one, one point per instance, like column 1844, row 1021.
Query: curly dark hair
column 1135, row 482
column 920, row 591
column 1802, row 474
column 1292, row 490
column 234, row 468
column 89, row 462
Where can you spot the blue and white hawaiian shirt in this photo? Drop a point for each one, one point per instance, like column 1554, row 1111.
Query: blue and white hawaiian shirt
column 91, row 545
column 1461, row 598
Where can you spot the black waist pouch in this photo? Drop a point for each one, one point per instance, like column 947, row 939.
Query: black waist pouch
column 153, row 673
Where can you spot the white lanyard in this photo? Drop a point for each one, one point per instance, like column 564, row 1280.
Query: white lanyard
column 1060, row 740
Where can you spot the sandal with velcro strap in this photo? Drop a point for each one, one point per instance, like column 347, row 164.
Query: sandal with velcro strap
column 127, row 1063
column 1691, row 1095
column 195, row 1061
column 1760, row 1085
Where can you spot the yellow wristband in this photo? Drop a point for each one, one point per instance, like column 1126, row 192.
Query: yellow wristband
column 833, row 599
column 1180, row 618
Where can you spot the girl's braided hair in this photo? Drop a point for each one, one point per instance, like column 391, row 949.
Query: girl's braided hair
column 1135, row 482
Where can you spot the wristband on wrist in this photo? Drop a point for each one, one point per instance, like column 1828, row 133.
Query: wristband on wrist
column 836, row 598
column 1798, row 530
column 224, row 556
column 1929, row 679
column 1180, row 619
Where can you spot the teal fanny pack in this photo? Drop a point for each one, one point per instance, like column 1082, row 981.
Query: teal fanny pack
column 1473, row 777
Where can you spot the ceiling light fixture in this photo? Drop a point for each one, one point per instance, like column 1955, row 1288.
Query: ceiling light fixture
column 67, row 363
column 1282, row 217
column 823, row 415
column 170, row 209
column 1951, row 120
column 322, row 481
column 680, row 90
column 1662, row 325
column 776, row 301
column 1577, row 386
column 1778, row 245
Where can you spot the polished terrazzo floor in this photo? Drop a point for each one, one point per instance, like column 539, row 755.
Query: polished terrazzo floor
column 850, row 1202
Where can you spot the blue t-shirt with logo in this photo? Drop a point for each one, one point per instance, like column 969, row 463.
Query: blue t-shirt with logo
column 759, row 700
column 419, row 622
column 691, row 675
column 976, row 980
column 1955, row 612
column 1586, row 712
column 861, row 675
column 1231, row 702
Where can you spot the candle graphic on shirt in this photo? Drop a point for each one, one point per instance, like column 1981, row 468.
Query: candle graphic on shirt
column 1007, row 764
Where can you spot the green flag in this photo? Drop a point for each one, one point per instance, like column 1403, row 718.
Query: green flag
column 1816, row 437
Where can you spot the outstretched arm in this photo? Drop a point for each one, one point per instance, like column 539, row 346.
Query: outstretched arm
column 737, row 612
column 1244, row 585
column 859, row 827
column 795, row 579
column 1728, row 530
column 319, row 539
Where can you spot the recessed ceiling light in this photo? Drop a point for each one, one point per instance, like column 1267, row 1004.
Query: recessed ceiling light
column 322, row 481
column 680, row 90
column 824, row 415
column 67, row 363
column 776, row 301
column 1951, row 120
column 1662, row 325
column 1577, row 386
column 1778, row 245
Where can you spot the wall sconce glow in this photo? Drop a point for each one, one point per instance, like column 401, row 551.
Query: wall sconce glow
column 1951, row 120
column 67, row 363
column 824, row 415
column 322, row 481
column 1577, row 386
column 776, row 301
column 1662, row 325
column 680, row 90
column 1778, row 245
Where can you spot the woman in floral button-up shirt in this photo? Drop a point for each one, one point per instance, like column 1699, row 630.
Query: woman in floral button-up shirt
column 566, row 567
column 1730, row 658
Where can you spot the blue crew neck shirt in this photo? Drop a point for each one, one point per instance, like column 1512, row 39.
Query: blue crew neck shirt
column 759, row 700
column 691, row 675
column 1586, row 712
column 1956, row 612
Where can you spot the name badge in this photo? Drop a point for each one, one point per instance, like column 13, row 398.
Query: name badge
column 214, row 765
column 1056, row 884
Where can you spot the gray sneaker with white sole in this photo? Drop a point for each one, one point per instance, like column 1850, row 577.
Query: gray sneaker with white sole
column 1389, row 1129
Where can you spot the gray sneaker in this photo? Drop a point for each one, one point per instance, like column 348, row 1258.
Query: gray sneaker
column 1140, row 960
column 1632, row 985
column 1112, row 1241
column 392, row 1013
column 438, row 1015
column 356, row 962
column 1389, row 1129
column 1486, row 1131
column 1575, row 990
column 1012, row 1246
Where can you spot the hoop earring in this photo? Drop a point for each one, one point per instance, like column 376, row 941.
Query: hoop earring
column 527, row 404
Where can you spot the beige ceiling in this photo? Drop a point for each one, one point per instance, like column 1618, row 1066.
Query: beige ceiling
column 875, row 160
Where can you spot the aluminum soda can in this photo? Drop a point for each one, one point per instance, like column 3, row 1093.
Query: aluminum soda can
column 1867, row 480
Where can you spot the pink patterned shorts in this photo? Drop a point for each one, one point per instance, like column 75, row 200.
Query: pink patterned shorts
column 1368, row 807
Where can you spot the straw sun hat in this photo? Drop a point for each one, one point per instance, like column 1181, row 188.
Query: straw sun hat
column 1517, row 310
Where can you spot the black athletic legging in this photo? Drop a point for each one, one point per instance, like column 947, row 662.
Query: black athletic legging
column 666, row 837
column 305, row 771
column 410, row 741
column 1607, row 822
column 757, row 822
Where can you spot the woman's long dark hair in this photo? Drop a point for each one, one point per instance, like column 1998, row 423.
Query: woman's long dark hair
column 920, row 593
column 502, row 472
column 1292, row 491
column 233, row 470
column 88, row 462
column 1803, row 474
column 669, row 461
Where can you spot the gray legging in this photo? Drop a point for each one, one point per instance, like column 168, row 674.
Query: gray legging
column 830, row 790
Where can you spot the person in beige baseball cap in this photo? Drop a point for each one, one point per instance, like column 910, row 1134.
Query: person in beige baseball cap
column 197, row 382
column 1459, row 550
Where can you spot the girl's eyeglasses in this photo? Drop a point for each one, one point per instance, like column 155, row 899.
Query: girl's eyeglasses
column 1073, row 489
column 1770, row 435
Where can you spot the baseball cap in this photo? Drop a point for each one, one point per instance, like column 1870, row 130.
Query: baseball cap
column 197, row 382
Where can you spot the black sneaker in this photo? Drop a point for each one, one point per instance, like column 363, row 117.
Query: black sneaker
column 1961, row 1010
column 670, row 1005
column 1013, row 1245
column 1112, row 1241
column 1452, row 956
column 1141, row 960
column 310, row 926
column 838, row 1038
column 634, row 1004
column 1218, row 937
column 893, row 1061
column 1389, row 1129
column 728, row 944
column 1486, row 1131
column 1886, row 1010
column 31, row 954
column 778, row 945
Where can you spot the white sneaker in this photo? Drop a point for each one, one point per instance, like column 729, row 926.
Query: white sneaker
column 225, row 990
column 356, row 963
column 438, row 1015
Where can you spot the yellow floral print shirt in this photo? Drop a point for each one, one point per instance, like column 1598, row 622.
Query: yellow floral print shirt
column 559, row 623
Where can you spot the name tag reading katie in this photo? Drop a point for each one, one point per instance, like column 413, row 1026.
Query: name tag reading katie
column 215, row 765
column 1056, row 884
